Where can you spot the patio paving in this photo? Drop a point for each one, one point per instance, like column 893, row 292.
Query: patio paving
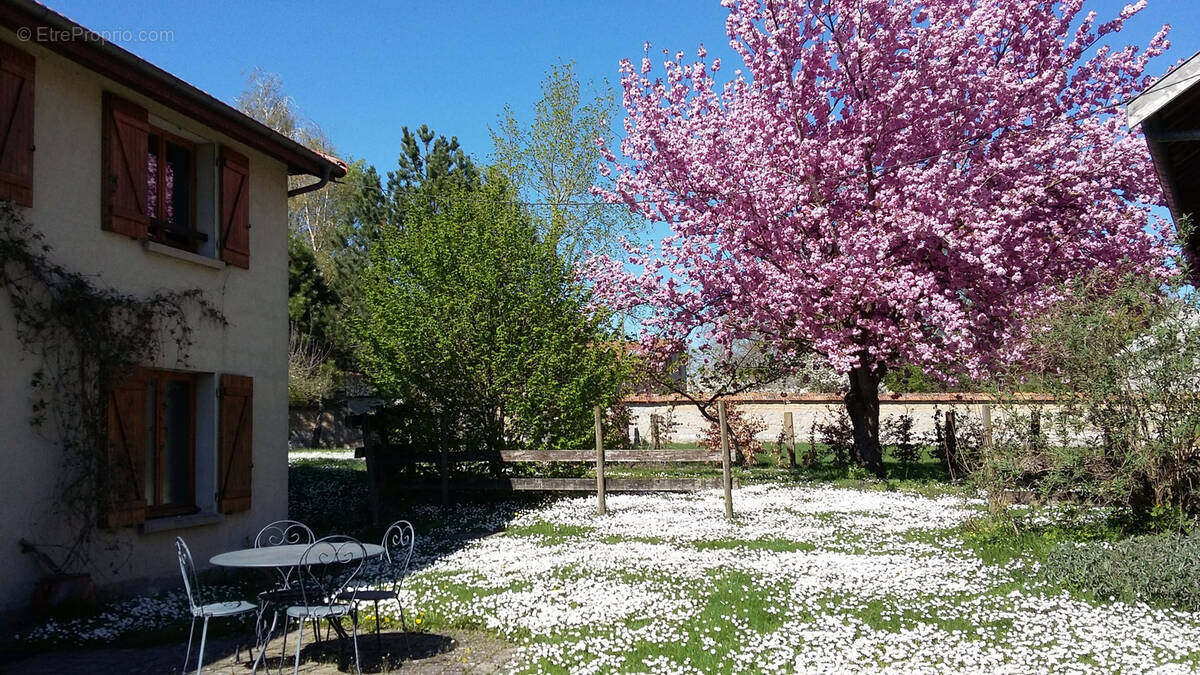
column 414, row 653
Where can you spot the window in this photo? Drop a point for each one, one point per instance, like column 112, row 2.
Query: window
column 172, row 187
column 170, row 191
column 16, row 125
column 178, row 444
column 169, row 469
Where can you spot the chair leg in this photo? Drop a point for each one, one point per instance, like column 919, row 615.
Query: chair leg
column 378, row 640
column 191, row 631
column 264, row 641
column 299, row 644
column 203, row 639
column 407, row 640
column 354, row 637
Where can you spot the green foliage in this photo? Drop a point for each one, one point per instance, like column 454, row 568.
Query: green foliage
column 898, row 433
column 1124, row 361
column 431, row 163
column 312, row 304
column 837, row 435
column 554, row 161
column 1156, row 570
column 471, row 313
column 330, row 231
column 1030, row 534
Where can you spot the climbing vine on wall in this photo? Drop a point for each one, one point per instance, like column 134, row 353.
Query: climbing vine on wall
column 84, row 337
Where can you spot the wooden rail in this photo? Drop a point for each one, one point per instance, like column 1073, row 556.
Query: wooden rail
column 446, row 460
column 571, row 484
column 546, row 456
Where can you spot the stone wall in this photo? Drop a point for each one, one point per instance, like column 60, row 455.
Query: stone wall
column 808, row 409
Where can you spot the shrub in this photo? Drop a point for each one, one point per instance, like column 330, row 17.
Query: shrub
column 743, row 435
column 958, row 449
column 1152, row 569
column 838, row 436
column 1125, row 366
column 898, row 432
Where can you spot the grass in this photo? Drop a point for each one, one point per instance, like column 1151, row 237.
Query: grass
column 1022, row 535
column 734, row 602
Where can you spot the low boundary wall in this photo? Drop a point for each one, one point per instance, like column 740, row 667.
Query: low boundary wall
column 818, row 408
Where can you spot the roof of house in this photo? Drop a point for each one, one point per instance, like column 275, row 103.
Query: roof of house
column 1169, row 113
column 92, row 51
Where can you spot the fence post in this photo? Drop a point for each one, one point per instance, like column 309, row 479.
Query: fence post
column 601, row 507
column 371, row 442
column 789, row 433
column 726, row 471
column 987, row 425
column 444, row 460
column 1035, row 425
column 951, row 442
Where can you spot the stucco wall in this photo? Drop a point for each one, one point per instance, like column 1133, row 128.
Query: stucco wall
column 67, row 210
column 808, row 409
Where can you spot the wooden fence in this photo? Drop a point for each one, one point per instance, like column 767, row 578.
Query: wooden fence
column 373, row 450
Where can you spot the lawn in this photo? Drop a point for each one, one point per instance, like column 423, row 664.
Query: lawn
column 845, row 574
column 810, row 578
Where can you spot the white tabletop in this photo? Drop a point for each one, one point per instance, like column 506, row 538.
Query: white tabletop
column 283, row 556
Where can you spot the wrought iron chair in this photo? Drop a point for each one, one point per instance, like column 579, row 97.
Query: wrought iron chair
column 398, row 543
column 283, row 533
column 280, row 533
column 199, row 608
column 325, row 572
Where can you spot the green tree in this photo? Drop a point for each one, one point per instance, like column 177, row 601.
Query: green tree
column 555, row 160
column 329, row 229
column 470, row 311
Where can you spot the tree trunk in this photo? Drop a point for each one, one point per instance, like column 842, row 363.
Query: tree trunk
column 862, row 402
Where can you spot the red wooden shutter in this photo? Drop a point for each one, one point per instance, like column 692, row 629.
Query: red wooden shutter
column 16, row 125
column 126, row 503
column 235, row 208
column 123, row 190
column 237, row 434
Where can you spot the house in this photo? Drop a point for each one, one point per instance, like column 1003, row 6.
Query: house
column 143, row 182
column 1169, row 113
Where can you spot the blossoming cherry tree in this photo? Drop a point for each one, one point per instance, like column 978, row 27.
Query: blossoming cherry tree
column 885, row 182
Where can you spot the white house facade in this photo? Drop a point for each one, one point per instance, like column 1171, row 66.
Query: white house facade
column 142, row 183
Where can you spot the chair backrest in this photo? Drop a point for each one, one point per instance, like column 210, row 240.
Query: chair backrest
column 284, row 532
column 188, row 569
column 398, row 548
column 328, row 566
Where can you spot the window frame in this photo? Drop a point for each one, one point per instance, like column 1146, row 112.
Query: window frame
column 158, row 379
column 157, row 228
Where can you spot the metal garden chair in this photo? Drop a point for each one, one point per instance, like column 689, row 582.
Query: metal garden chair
column 397, row 544
column 200, row 609
column 280, row 533
column 283, row 533
column 325, row 572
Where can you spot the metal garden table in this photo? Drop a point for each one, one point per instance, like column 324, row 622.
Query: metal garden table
column 279, row 557
column 276, row 556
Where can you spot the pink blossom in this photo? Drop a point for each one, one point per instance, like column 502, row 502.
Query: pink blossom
column 884, row 181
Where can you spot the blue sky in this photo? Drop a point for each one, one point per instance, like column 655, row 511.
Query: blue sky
column 362, row 70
